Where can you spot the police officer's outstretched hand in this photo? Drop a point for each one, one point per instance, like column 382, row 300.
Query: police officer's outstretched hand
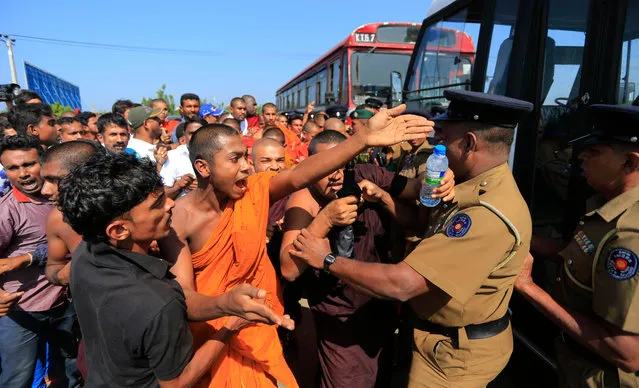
column 524, row 279
column 387, row 127
column 311, row 249
column 340, row 212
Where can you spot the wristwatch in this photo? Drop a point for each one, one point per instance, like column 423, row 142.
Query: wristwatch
column 328, row 260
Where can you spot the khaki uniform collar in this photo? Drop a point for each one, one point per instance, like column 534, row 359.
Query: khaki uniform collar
column 619, row 204
column 426, row 146
column 467, row 193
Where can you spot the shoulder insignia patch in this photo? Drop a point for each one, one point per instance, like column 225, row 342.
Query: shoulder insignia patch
column 459, row 225
column 622, row 264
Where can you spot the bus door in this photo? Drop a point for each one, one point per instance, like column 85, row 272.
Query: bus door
column 563, row 92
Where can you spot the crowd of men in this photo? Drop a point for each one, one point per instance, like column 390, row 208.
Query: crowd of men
column 141, row 251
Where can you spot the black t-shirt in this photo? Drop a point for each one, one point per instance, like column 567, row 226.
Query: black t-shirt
column 132, row 314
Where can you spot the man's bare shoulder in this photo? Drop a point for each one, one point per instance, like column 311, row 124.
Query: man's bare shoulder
column 57, row 228
column 303, row 199
column 56, row 225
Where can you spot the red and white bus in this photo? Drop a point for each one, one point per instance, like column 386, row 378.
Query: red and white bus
column 354, row 70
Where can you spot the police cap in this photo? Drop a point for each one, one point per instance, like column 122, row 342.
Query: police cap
column 484, row 108
column 373, row 103
column 612, row 124
column 361, row 114
column 338, row 111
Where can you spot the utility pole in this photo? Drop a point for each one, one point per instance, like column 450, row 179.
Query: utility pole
column 9, row 41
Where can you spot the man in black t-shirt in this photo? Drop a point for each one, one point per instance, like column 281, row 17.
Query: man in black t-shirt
column 132, row 312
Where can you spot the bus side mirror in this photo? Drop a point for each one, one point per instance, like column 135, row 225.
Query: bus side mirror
column 396, row 87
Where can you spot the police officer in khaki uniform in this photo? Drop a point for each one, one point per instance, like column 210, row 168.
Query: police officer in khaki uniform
column 596, row 304
column 460, row 279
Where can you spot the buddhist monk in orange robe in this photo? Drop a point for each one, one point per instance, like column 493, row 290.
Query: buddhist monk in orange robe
column 222, row 229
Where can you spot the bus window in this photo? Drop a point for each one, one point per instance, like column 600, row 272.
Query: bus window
column 501, row 46
column 397, row 34
column 321, row 88
column 446, row 56
column 344, row 72
column 310, row 91
column 370, row 73
column 566, row 36
column 564, row 51
column 629, row 70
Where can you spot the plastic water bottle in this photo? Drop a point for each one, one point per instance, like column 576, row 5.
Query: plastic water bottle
column 436, row 167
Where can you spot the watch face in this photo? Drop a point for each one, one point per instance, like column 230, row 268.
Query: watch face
column 328, row 260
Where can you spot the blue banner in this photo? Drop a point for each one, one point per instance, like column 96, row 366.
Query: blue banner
column 51, row 88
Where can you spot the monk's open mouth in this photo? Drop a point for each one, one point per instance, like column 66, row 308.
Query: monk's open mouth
column 241, row 184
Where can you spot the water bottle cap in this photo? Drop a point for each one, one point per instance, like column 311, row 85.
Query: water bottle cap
column 440, row 149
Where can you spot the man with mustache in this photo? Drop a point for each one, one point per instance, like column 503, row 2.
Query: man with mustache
column 460, row 278
column 42, row 311
column 113, row 132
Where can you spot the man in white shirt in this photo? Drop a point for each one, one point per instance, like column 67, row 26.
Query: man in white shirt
column 177, row 173
column 146, row 124
column 238, row 111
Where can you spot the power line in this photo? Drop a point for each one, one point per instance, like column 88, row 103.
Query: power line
column 154, row 50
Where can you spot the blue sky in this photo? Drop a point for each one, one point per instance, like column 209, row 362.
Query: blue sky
column 261, row 44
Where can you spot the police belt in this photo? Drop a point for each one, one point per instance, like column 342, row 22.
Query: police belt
column 479, row 331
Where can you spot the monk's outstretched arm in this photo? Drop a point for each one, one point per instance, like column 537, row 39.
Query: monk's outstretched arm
column 385, row 128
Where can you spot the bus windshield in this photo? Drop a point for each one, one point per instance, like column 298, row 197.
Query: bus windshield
column 370, row 73
column 445, row 58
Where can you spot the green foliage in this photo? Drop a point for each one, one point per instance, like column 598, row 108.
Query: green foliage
column 58, row 109
column 161, row 93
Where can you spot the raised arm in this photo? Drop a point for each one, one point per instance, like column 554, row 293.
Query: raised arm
column 385, row 128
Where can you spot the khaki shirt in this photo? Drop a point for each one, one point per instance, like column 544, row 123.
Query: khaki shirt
column 613, row 230
column 399, row 149
column 464, row 254
column 412, row 165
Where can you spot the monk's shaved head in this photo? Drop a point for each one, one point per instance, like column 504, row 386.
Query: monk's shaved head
column 309, row 131
column 276, row 134
column 268, row 155
column 71, row 153
column 269, row 105
column 325, row 137
column 335, row 124
column 209, row 140
column 231, row 122
column 263, row 143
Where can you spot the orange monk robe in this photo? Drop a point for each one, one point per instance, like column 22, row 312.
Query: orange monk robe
column 292, row 143
column 301, row 152
column 234, row 254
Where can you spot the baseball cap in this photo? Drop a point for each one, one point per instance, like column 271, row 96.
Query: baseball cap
column 210, row 110
column 139, row 114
